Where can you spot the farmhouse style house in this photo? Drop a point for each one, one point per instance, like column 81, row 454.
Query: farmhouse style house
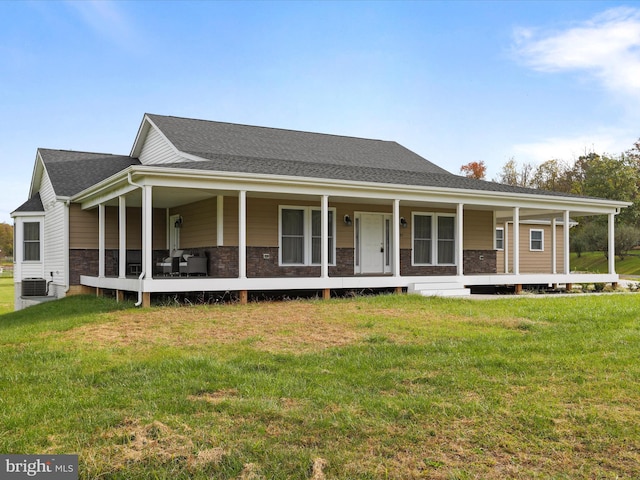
column 203, row 206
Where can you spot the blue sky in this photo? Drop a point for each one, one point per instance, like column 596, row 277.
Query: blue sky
column 453, row 81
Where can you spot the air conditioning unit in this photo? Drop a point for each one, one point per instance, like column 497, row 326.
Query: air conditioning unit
column 34, row 287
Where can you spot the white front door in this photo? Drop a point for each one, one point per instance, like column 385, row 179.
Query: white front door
column 373, row 239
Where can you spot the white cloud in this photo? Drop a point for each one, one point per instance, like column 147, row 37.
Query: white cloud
column 569, row 149
column 607, row 46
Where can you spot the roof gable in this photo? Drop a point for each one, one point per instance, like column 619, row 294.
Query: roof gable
column 71, row 172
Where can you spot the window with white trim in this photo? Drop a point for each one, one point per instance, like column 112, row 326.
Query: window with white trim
column 434, row 238
column 31, row 241
column 536, row 240
column 301, row 235
column 500, row 238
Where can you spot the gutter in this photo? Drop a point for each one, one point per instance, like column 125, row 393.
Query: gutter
column 142, row 273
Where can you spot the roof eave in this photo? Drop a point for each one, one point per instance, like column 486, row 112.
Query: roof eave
column 557, row 202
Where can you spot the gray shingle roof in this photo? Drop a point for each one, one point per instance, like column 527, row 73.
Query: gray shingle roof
column 231, row 147
column 34, row 204
column 270, row 166
column 71, row 172
column 209, row 139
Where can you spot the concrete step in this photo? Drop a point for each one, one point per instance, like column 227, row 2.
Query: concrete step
column 444, row 289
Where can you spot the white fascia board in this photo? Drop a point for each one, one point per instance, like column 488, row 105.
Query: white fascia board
column 143, row 129
column 27, row 214
column 216, row 180
column 36, row 175
column 314, row 186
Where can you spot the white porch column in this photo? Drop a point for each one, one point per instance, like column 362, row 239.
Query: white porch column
column 612, row 243
column 242, row 234
column 122, row 234
column 459, row 239
column 565, row 231
column 101, row 235
column 506, row 247
column 395, row 221
column 516, row 240
column 147, row 231
column 324, row 236
column 554, row 241
column 220, row 220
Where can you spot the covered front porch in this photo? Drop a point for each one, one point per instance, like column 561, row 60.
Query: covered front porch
column 351, row 237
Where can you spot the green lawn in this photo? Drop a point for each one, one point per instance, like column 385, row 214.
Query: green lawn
column 596, row 262
column 394, row 387
column 6, row 295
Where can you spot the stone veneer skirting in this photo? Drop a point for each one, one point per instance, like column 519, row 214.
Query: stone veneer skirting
column 262, row 262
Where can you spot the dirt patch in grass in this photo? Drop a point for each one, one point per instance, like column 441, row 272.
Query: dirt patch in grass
column 291, row 327
column 134, row 442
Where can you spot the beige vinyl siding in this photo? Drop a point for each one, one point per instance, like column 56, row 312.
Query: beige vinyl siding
column 157, row 150
column 478, row 230
column 198, row 223
column 83, row 229
column 534, row 261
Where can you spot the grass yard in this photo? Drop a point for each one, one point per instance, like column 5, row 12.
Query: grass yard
column 596, row 262
column 6, row 295
column 393, row 387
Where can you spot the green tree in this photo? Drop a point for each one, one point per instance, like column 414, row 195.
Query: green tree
column 515, row 174
column 552, row 175
column 6, row 240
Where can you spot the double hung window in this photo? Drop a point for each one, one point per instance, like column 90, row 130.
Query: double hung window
column 31, row 241
column 301, row 236
column 434, row 239
column 536, row 240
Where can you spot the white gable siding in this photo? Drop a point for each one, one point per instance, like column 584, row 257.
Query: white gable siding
column 53, row 238
column 157, row 150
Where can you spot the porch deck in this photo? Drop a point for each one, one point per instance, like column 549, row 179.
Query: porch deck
column 211, row 284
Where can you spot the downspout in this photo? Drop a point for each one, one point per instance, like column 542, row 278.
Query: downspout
column 67, row 205
column 142, row 273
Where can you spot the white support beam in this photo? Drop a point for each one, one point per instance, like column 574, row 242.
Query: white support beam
column 554, row 243
column 220, row 220
column 122, row 236
column 101, row 241
column 459, row 236
column 516, row 240
column 506, row 247
column 565, row 231
column 395, row 221
column 612, row 243
column 324, row 236
column 242, row 234
column 147, row 231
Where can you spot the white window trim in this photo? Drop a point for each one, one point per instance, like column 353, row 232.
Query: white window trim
column 40, row 221
column 434, row 238
column 496, row 238
column 531, row 249
column 307, row 235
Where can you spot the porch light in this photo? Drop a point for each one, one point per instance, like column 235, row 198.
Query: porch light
column 403, row 222
column 347, row 220
column 178, row 223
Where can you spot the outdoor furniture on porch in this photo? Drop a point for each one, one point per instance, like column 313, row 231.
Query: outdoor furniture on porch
column 174, row 264
column 197, row 266
column 134, row 262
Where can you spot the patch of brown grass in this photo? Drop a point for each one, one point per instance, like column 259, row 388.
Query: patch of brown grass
column 133, row 442
column 304, row 328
